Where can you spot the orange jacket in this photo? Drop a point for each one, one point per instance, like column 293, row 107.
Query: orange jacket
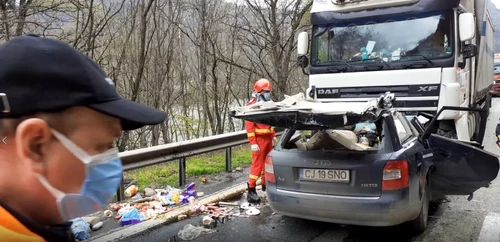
column 12, row 230
column 16, row 228
column 254, row 129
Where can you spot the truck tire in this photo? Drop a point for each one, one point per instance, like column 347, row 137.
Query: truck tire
column 418, row 225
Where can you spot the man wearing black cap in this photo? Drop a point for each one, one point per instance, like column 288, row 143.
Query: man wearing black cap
column 59, row 117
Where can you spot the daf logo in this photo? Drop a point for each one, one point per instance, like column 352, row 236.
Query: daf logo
column 328, row 91
column 427, row 88
column 322, row 162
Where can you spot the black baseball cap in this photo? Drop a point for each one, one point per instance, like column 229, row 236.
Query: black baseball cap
column 47, row 75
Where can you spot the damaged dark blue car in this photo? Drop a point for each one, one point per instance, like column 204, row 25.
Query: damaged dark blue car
column 380, row 168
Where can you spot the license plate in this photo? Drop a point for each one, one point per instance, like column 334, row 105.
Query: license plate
column 324, row 175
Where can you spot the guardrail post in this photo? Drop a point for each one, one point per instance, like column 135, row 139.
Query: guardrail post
column 182, row 171
column 120, row 194
column 229, row 166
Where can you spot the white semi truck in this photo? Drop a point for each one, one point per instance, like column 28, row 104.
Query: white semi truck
column 432, row 54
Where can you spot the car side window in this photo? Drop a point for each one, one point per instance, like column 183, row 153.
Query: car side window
column 405, row 132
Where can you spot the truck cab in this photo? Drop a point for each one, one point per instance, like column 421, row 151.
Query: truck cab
column 429, row 53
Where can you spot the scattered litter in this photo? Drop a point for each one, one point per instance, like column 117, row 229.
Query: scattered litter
column 239, row 169
column 207, row 221
column 203, row 179
column 131, row 191
column 97, row 226
column 228, row 204
column 252, row 211
column 245, row 206
column 155, row 203
column 162, row 201
column 131, row 217
column 80, row 229
column 190, row 232
column 108, row 213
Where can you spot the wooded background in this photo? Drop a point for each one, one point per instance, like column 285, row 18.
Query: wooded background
column 191, row 58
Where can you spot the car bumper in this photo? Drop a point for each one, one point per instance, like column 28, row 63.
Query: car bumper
column 392, row 208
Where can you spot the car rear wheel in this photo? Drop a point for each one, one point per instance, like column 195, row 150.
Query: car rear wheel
column 419, row 224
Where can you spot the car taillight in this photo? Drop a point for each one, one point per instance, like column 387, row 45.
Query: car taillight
column 269, row 169
column 395, row 175
column 495, row 89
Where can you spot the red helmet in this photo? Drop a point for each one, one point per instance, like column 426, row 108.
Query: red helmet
column 262, row 85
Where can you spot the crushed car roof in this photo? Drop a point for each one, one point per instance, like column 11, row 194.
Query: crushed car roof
column 296, row 112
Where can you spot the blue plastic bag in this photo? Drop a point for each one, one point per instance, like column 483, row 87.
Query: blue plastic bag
column 131, row 217
column 80, row 229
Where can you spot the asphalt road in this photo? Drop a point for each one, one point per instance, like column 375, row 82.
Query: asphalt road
column 455, row 220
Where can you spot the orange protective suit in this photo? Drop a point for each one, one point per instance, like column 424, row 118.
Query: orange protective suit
column 263, row 136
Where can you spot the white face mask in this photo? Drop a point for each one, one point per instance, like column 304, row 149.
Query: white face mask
column 267, row 96
column 103, row 174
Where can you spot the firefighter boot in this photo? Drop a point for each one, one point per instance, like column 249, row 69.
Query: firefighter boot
column 252, row 196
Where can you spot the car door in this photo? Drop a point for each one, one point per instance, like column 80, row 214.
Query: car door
column 460, row 168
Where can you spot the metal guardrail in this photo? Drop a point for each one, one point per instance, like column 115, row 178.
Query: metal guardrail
column 135, row 159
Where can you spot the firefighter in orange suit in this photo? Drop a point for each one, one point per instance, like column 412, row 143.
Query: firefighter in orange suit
column 260, row 137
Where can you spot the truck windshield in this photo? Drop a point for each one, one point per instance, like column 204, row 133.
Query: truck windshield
column 406, row 38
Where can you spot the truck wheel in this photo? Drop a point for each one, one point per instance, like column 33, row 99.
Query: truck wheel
column 419, row 224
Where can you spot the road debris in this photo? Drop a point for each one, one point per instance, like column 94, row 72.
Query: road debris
column 252, row 211
column 108, row 213
column 155, row 203
column 131, row 191
column 207, row 221
column 190, row 232
column 97, row 226
column 228, row 204
column 80, row 229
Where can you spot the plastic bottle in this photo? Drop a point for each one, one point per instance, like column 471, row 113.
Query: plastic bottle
column 175, row 196
column 131, row 191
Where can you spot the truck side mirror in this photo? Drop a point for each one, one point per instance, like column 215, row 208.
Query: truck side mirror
column 467, row 26
column 302, row 43
column 303, row 61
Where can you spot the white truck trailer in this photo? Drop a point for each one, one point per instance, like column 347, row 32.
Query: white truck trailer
column 430, row 53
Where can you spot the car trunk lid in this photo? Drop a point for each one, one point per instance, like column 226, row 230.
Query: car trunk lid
column 342, row 173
